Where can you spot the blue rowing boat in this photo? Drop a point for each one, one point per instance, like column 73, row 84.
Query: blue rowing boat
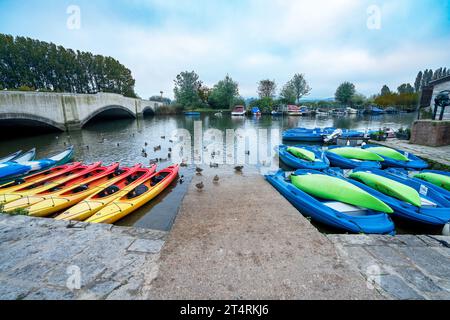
column 320, row 161
column 337, row 214
column 342, row 162
column 413, row 163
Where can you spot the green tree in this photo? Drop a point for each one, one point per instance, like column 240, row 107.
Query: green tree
column 405, row 88
column 187, row 85
column 267, row 88
column 418, row 82
column 224, row 94
column 300, row 86
column 287, row 94
column 385, row 90
column 345, row 92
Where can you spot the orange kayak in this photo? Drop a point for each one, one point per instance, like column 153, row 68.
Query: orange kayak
column 91, row 205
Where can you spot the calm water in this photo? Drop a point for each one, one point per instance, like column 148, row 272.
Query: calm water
column 122, row 140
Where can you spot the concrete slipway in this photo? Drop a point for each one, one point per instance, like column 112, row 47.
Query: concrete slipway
column 236, row 239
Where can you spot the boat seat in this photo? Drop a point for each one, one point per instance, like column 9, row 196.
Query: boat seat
column 109, row 191
column 427, row 203
column 140, row 190
column 346, row 208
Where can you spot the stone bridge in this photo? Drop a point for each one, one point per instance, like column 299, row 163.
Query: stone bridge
column 66, row 111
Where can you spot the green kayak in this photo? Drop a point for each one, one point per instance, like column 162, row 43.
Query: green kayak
column 389, row 153
column 302, row 153
column 437, row 179
column 356, row 153
column 331, row 188
column 389, row 187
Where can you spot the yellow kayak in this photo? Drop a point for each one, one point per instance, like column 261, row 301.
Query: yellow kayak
column 99, row 200
column 67, row 179
column 136, row 198
column 26, row 201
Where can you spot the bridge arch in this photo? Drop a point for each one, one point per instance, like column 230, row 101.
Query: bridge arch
column 149, row 110
column 111, row 111
column 18, row 120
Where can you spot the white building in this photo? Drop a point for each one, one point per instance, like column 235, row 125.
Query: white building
column 430, row 92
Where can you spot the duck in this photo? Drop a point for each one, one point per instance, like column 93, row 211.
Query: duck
column 239, row 168
column 216, row 179
column 199, row 170
column 200, row 186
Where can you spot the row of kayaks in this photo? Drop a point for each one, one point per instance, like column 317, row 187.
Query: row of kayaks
column 91, row 193
column 366, row 200
column 19, row 164
column 368, row 156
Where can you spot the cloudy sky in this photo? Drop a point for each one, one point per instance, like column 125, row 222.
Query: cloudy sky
column 370, row 43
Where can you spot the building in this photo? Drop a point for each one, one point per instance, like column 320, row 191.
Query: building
column 430, row 92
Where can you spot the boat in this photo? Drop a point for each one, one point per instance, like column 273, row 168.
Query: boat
column 41, row 178
column 11, row 157
column 305, row 111
column 24, row 157
column 238, row 111
column 431, row 208
column 11, row 170
column 374, row 111
column 338, row 112
column 72, row 196
column 277, row 112
column 192, row 114
column 351, row 111
column 437, row 178
column 256, row 111
column 80, row 181
column 322, row 113
column 303, row 157
column 394, row 158
column 352, row 157
column 94, row 203
column 294, row 110
column 340, row 204
column 306, row 135
column 137, row 197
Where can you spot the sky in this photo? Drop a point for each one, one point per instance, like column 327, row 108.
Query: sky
column 369, row 43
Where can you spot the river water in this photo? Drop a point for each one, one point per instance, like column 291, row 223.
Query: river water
column 123, row 140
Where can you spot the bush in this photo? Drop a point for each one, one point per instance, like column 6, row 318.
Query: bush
column 170, row 109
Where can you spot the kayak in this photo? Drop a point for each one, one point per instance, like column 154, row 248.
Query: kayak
column 86, row 179
column 434, row 209
column 19, row 190
column 388, row 186
column 136, row 198
column 11, row 170
column 27, row 156
column 71, row 196
column 99, row 200
column 11, row 157
column 44, row 177
column 306, row 135
column 438, row 178
column 334, row 205
column 351, row 158
column 303, row 157
column 397, row 159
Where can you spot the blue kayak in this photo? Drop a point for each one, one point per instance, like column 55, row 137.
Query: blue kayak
column 10, row 170
column 192, row 114
column 414, row 163
column 345, row 163
column 11, row 157
column 321, row 162
column 332, row 213
column 306, row 135
column 434, row 210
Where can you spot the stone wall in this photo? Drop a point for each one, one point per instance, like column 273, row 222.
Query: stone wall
column 431, row 133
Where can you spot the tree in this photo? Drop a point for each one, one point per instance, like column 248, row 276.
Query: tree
column 203, row 93
column 385, row 90
column 224, row 93
column 300, row 86
column 358, row 99
column 267, row 88
column 186, row 89
column 405, row 88
column 287, row 94
column 345, row 92
column 418, row 82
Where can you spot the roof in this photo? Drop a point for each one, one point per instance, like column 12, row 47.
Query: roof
column 439, row 81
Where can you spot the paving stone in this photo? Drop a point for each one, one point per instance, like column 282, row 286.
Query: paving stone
column 100, row 290
column 431, row 241
column 397, row 288
column 411, row 241
column 418, row 280
column 146, row 246
column 432, row 261
column 51, row 294
column 388, row 255
column 13, row 290
column 362, row 259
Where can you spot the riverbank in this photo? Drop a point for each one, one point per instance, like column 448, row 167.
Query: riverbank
column 236, row 239
column 438, row 157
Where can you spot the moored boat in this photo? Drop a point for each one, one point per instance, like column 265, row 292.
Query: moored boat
column 352, row 157
column 136, row 198
column 340, row 205
column 11, row 156
column 394, row 158
column 238, row 111
column 303, row 157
